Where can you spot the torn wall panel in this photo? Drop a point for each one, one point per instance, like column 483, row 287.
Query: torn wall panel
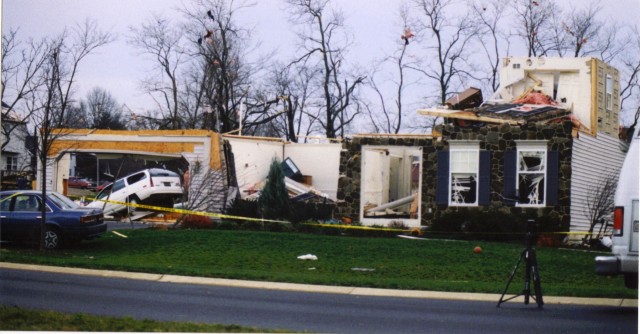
column 252, row 160
column 319, row 161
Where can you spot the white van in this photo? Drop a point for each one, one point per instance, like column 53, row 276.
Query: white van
column 624, row 250
column 158, row 187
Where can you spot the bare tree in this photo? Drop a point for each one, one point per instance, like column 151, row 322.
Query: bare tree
column 490, row 15
column 21, row 78
column 52, row 105
column 630, row 68
column 292, row 87
column 386, row 118
column 222, row 45
column 102, row 111
column 161, row 42
column 324, row 46
column 599, row 203
column 581, row 32
column 534, row 25
column 450, row 38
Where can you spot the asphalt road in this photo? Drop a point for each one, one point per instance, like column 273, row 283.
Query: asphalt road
column 300, row 311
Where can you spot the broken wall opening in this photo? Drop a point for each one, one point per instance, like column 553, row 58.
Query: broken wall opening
column 208, row 188
column 391, row 184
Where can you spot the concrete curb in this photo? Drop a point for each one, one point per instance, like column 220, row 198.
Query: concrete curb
column 356, row 291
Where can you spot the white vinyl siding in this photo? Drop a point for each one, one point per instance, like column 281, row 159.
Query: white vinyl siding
column 591, row 159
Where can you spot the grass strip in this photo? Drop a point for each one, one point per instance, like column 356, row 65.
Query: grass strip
column 17, row 319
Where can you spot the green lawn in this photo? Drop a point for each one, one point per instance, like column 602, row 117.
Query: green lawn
column 397, row 263
column 17, row 319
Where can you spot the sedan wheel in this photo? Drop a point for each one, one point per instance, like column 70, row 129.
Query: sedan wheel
column 51, row 239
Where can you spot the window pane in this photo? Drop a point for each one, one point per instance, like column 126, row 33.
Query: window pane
column 531, row 188
column 118, row 185
column 463, row 188
column 463, row 181
column 6, row 202
column 531, row 161
column 27, row 203
column 464, row 161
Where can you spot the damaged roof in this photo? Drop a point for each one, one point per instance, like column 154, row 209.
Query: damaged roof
column 532, row 106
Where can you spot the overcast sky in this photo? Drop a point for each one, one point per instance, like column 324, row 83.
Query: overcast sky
column 118, row 67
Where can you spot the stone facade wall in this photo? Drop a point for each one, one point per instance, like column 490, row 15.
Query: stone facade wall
column 494, row 138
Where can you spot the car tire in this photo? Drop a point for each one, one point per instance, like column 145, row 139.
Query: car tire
column 52, row 238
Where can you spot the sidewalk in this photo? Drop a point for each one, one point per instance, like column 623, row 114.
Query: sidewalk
column 356, row 291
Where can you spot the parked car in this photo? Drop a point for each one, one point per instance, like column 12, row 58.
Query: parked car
column 155, row 186
column 624, row 250
column 66, row 221
column 76, row 182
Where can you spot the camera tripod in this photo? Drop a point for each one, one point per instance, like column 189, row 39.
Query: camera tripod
column 529, row 254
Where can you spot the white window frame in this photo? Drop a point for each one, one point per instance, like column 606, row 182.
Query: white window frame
column 529, row 147
column 11, row 163
column 458, row 150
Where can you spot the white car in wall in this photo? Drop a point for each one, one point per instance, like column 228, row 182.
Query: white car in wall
column 154, row 186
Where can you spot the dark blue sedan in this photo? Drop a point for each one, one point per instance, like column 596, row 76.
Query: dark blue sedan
column 66, row 221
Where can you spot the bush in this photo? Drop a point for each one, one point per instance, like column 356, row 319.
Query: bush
column 302, row 211
column 491, row 224
column 244, row 208
column 273, row 202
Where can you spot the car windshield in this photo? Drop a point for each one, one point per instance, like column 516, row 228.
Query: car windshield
column 62, row 201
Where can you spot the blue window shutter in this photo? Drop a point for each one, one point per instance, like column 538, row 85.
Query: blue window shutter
column 552, row 177
column 510, row 164
column 442, row 179
column 484, row 190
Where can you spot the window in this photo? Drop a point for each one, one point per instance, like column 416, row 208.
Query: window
column 12, row 163
column 463, row 177
column 133, row 179
column 119, row 184
column 5, row 203
column 609, row 93
column 531, row 175
column 27, row 203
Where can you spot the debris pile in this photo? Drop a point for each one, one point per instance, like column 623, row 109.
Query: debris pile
column 298, row 186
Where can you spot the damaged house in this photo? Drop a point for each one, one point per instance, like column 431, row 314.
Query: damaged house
column 311, row 170
column 540, row 142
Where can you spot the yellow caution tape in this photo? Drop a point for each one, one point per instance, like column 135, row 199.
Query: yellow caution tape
column 189, row 212
column 220, row 215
